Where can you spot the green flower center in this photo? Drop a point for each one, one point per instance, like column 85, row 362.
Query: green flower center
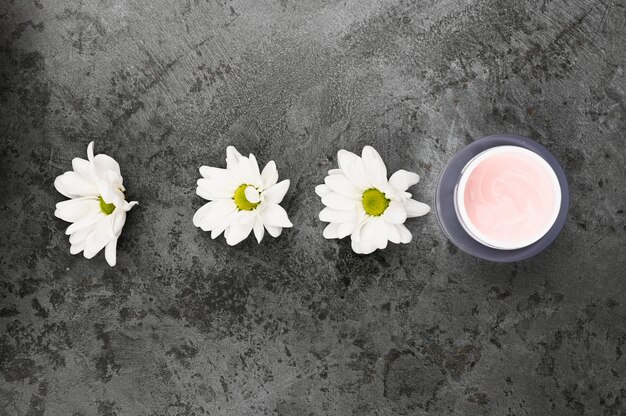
column 241, row 201
column 107, row 209
column 374, row 202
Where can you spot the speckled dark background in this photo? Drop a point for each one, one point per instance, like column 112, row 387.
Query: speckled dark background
column 184, row 325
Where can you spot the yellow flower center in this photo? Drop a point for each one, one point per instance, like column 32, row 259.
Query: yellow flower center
column 241, row 201
column 374, row 202
column 107, row 209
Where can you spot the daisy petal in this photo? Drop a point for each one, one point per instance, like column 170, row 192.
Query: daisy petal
column 85, row 222
column 214, row 211
column 73, row 185
column 209, row 223
column 130, row 205
column 82, row 167
column 374, row 167
column 362, row 247
column 375, row 232
column 232, row 158
column 254, row 166
column 335, row 215
column 110, row 194
column 119, row 220
column 345, row 229
column 275, row 215
column 215, row 232
column 356, row 233
column 395, row 213
column 77, row 248
column 355, row 172
column 331, row 231
column 103, row 163
column 336, row 230
column 402, row 180
column 99, row 236
column 345, row 158
column 238, row 232
column 90, row 151
column 356, row 246
column 222, row 225
column 393, row 234
column 252, row 194
column 249, row 172
column 211, row 189
column 269, row 175
column 276, row 193
column 210, row 172
column 109, row 252
column 205, row 171
column 245, row 217
column 204, row 192
column 322, row 190
column 221, row 177
column 405, row 234
column 73, row 210
column 336, row 201
column 415, row 208
column 273, row 231
column 258, row 229
column 79, row 236
column 342, row 185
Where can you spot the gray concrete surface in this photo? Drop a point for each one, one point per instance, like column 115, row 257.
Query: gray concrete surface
column 184, row 325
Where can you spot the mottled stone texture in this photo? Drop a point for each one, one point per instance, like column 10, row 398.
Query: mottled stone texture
column 185, row 325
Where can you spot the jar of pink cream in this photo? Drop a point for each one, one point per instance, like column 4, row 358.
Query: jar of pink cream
column 502, row 198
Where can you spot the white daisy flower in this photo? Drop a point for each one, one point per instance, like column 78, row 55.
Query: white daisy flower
column 242, row 199
column 97, row 208
column 360, row 201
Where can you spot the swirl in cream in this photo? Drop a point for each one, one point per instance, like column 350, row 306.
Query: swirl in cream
column 510, row 197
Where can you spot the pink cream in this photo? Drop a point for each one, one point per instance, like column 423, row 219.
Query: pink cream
column 511, row 198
